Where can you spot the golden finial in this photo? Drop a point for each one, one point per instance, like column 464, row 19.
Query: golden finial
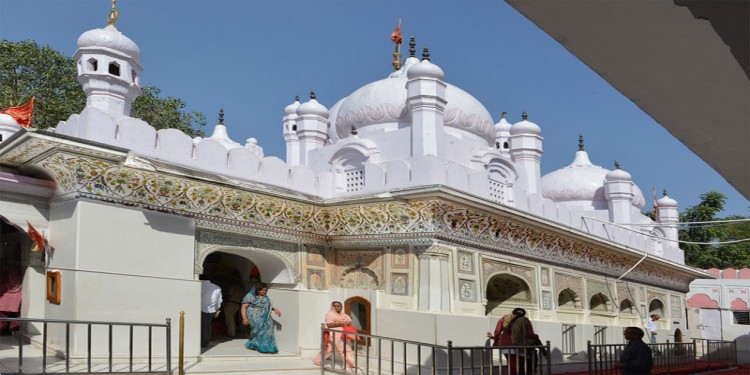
column 113, row 15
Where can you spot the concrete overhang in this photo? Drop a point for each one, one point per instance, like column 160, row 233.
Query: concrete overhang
column 683, row 62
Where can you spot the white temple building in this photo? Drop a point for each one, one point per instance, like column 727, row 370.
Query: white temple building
column 405, row 199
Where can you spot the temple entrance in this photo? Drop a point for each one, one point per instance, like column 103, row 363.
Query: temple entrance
column 13, row 242
column 236, row 276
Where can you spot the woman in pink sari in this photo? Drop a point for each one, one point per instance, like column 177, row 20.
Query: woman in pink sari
column 337, row 320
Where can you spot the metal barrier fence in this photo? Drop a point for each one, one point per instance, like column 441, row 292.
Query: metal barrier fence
column 666, row 356
column 385, row 355
column 38, row 342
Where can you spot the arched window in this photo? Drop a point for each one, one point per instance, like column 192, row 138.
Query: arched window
column 656, row 307
column 599, row 302
column 568, row 299
column 114, row 69
column 92, row 65
column 626, row 307
column 500, row 178
column 505, row 290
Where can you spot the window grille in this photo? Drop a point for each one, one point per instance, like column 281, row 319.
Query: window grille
column 741, row 317
column 568, row 339
column 600, row 335
column 355, row 180
column 497, row 191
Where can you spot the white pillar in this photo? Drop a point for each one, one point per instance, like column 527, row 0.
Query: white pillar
column 434, row 279
column 426, row 101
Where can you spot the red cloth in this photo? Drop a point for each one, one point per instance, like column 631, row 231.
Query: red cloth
column 36, row 237
column 10, row 290
column 350, row 329
column 396, row 35
column 21, row 114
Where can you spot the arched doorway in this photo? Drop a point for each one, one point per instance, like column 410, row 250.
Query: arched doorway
column 13, row 242
column 359, row 309
column 504, row 288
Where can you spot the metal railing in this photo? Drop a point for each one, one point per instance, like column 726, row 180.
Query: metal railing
column 373, row 354
column 56, row 357
column 667, row 357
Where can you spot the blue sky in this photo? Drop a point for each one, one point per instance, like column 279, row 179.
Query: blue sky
column 253, row 57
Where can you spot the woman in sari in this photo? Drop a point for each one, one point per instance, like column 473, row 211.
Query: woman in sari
column 256, row 313
column 337, row 320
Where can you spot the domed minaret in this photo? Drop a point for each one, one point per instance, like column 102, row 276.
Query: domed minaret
column 502, row 134
column 526, row 153
column 669, row 214
column 312, row 127
column 618, row 189
column 426, row 102
column 109, row 68
column 290, row 133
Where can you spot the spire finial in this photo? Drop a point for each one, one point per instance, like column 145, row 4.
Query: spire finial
column 113, row 15
column 426, row 54
column 221, row 116
column 580, row 142
column 617, row 165
column 524, row 116
column 354, row 130
column 412, row 47
column 665, row 192
column 502, row 114
column 296, row 98
column 312, row 94
column 397, row 39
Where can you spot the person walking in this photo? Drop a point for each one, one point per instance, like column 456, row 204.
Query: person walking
column 256, row 312
column 636, row 358
column 337, row 320
column 210, row 308
column 515, row 329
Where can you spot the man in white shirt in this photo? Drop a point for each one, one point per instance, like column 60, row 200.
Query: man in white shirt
column 210, row 305
column 652, row 326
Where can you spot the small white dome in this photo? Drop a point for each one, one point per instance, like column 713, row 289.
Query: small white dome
column 618, row 175
column 580, row 181
column 503, row 126
column 109, row 37
column 7, row 120
column 312, row 107
column 291, row 109
column 220, row 135
column 425, row 69
column 584, row 181
column 525, row 127
column 666, row 201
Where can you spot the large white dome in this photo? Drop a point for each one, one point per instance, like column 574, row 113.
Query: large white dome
column 383, row 103
column 582, row 181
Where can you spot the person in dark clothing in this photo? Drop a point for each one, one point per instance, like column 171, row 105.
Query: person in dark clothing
column 636, row 358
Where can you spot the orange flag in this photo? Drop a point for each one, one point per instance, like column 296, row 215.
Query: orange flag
column 396, row 35
column 21, row 114
column 39, row 242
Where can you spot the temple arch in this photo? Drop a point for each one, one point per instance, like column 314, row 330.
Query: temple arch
column 627, row 307
column 656, row 306
column 568, row 299
column 599, row 302
column 505, row 288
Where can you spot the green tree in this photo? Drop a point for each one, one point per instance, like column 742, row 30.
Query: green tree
column 712, row 252
column 169, row 112
column 27, row 70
